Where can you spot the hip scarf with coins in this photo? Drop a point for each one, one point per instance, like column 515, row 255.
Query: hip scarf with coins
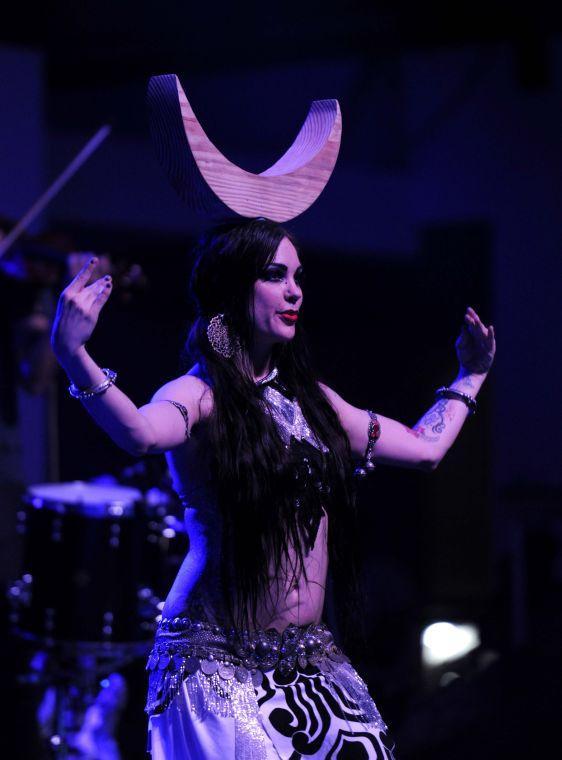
column 286, row 692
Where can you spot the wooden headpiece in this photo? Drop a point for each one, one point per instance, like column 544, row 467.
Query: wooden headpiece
column 209, row 183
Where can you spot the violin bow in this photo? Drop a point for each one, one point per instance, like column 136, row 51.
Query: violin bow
column 91, row 146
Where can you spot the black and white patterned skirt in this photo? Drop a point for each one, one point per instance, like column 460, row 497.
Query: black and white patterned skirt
column 307, row 716
column 303, row 714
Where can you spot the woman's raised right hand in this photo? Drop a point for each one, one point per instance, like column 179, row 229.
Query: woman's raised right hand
column 78, row 310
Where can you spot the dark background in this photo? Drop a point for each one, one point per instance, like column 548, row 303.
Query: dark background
column 446, row 194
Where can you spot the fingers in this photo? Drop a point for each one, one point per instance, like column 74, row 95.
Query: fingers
column 471, row 316
column 475, row 323
column 79, row 282
column 93, row 288
column 102, row 294
column 470, row 324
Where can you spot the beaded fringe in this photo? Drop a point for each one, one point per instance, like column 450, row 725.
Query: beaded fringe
column 344, row 675
column 212, row 694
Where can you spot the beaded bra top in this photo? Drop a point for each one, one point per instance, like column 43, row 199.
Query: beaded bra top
column 306, row 455
column 286, row 412
column 309, row 481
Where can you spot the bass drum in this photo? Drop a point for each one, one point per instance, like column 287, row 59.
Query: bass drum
column 83, row 546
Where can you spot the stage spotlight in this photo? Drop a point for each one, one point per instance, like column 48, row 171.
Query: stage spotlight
column 443, row 642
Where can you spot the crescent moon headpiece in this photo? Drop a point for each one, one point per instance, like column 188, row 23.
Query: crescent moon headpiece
column 211, row 184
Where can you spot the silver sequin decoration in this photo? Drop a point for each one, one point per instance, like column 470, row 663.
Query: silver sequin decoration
column 227, row 697
column 288, row 416
column 230, row 698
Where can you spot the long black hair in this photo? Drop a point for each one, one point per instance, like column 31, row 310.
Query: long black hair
column 250, row 462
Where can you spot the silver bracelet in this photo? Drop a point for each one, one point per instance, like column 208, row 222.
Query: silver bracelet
column 111, row 377
column 459, row 395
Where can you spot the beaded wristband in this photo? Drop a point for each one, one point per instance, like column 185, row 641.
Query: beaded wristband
column 458, row 395
column 111, row 377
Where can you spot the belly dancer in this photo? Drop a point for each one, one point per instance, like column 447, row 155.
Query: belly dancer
column 263, row 456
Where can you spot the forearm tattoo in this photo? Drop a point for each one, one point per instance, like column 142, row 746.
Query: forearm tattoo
column 433, row 423
column 421, row 434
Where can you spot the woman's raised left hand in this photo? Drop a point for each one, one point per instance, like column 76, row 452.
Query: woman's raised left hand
column 476, row 345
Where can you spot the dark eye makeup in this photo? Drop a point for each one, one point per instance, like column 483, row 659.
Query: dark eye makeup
column 278, row 272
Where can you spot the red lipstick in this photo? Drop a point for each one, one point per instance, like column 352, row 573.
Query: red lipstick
column 288, row 317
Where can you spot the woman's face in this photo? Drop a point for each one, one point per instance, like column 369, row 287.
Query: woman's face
column 278, row 290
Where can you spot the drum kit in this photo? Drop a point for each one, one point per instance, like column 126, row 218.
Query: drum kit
column 98, row 558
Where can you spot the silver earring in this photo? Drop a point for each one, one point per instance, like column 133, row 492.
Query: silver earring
column 220, row 337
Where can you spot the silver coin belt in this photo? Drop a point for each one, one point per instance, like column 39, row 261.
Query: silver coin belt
column 221, row 669
column 191, row 645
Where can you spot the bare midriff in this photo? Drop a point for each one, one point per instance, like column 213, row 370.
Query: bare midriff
column 302, row 601
column 299, row 601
